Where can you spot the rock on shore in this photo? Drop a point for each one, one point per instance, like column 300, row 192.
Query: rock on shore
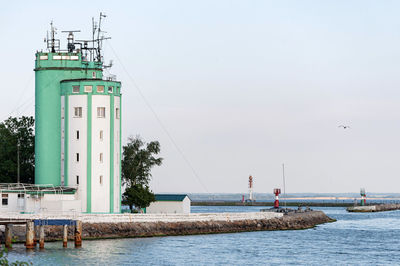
column 293, row 221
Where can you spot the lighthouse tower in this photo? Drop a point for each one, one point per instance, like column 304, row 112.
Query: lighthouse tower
column 78, row 122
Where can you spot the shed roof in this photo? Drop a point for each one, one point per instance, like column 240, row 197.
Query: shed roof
column 170, row 197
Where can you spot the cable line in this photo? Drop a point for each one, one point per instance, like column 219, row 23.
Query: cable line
column 158, row 119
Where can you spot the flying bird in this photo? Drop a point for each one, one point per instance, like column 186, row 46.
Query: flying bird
column 344, row 127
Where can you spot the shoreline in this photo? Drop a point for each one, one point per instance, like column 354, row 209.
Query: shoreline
column 226, row 223
column 374, row 208
column 258, row 203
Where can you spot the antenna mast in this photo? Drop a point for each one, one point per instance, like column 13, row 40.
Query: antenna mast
column 284, row 182
column 53, row 43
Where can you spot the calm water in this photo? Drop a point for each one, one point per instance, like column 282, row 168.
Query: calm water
column 356, row 239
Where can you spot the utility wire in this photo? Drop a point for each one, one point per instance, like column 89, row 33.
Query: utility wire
column 20, row 97
column 158, row 119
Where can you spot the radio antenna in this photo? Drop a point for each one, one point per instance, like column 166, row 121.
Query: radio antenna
column 53, row 43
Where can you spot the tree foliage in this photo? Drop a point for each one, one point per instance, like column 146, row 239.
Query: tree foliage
column 17, row 132
column 138, row 195
column 138, row 160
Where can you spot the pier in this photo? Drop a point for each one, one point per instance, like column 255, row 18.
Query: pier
column 374, row 208
column 34, row 227
column 127, row 225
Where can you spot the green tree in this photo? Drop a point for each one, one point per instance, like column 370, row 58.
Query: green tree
column 138, row 195
column 137, row 161
column 17, row 138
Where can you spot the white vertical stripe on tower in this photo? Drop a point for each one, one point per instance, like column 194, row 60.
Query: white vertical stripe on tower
column 77, row 146
column 100, row 192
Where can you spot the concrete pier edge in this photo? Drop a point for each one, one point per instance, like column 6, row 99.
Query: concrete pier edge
column 140, row 229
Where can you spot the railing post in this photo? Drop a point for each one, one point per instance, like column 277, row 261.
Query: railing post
column 8, row 236
column 29, row 235
column 65, row 236
column 41, row 236
column 78, row 234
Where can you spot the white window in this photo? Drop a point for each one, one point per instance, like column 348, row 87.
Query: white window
column 101, row 157
column 77, row 134
column 62, row 156
column 62, row 113
column 101, row 135
column 77, row 157
column 75, row 89
column 94, row 75
column 100, row 88
column 77, row 179
column 87, row 88
column 101, row 112
column 110, row 89
column 117, row 113
column 101, row 180
column 77, row 111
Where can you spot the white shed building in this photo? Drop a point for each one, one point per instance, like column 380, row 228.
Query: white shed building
column 30, row 198
column 170, row 203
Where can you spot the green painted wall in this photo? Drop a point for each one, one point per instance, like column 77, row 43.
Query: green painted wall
column 66, row 138
column 53, row 79
column 89, row 156
column 111, row 153
column 48, row 74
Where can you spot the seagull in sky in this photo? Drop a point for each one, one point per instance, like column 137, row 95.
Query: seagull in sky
column 344, row 127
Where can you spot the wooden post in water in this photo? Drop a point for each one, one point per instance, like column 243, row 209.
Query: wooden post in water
column 41, row 237
column 65, row 236
column 30, row 232
column 78, row 234
column 8, row 235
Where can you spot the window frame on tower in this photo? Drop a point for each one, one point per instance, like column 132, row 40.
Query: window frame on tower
column 88, row 88
column 77, row 112
column 117, row 113
column 101, row 112
column 100, row 88
column 75, row 89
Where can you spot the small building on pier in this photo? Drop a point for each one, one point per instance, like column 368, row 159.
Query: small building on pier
column 31, row 198
column 170, row 203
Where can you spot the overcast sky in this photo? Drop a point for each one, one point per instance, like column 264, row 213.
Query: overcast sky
column 241, row 87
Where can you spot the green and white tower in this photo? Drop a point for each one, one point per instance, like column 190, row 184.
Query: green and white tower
column 78, row 122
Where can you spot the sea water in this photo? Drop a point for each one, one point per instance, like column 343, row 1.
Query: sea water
column 355, row 239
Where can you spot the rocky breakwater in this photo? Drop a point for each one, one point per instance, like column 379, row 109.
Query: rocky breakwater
column 98, row 226
column 374, row 208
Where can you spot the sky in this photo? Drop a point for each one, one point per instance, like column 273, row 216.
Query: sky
column 238, row 88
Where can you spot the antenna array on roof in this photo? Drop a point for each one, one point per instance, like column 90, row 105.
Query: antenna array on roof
column 89, row 52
